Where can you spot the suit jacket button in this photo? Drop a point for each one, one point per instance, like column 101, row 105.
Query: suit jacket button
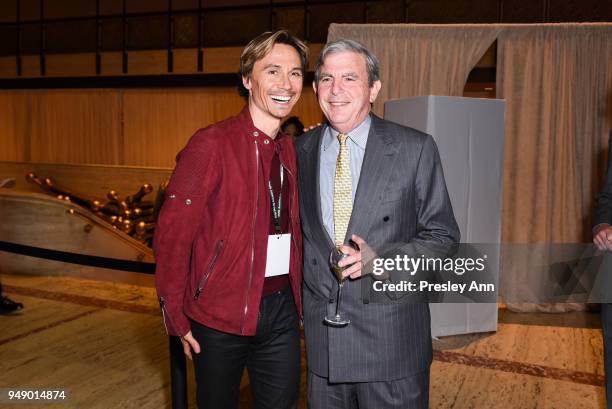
column 331, row 300
column 386, row 219
column 187, row 202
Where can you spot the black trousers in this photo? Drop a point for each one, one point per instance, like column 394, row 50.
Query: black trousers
column 272, row 358
column 606, row 327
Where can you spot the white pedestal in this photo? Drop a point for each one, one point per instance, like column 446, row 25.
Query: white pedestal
column 469, row 133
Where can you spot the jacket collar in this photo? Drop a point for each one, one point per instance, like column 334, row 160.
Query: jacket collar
column 245, row 120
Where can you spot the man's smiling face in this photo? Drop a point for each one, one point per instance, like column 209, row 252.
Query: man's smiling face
column 343, row 90
column 275, row 84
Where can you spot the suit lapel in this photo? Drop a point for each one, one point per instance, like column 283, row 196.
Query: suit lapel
column 312, row 161
column 378, row 162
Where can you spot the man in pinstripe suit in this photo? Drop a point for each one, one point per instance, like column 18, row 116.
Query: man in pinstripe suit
column 400, row 206
column 602, row 238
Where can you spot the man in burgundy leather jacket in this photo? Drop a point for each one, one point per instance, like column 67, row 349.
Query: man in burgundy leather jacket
column 228, row 242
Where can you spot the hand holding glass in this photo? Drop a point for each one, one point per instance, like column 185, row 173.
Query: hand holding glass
column 335, row 256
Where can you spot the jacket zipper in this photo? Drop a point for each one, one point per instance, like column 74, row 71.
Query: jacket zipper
column 204, row 278
column 165, row 315
column 291, row 218
column 248, row 289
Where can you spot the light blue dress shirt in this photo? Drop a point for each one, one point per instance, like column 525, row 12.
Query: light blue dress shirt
column 330, row 147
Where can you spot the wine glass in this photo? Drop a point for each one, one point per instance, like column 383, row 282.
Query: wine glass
column 334, row 257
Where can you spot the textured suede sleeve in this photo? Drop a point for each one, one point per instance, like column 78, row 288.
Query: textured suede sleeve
column 194, row 177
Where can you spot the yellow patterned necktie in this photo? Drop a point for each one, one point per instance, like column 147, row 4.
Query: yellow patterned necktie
column 343, row 192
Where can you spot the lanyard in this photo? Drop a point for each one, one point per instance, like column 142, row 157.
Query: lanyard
column 276, row 206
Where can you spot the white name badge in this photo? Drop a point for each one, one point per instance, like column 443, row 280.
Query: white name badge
column 279, row 247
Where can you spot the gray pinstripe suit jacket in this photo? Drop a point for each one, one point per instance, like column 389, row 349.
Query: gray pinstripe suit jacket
column 603, row 210
column 401, row 206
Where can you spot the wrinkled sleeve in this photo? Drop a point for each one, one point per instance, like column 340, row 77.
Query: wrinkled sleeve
column 437, row 231
column 603, row 211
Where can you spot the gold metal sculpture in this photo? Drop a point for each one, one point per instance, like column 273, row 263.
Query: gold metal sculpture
column 132, row 215
column 61, row 193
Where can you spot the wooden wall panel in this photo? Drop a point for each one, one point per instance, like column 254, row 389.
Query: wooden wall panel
column 579, row 10
column 144, row 6
column 148, row 62
column 8, row 11
column 30, row 66
column 111, row 7
column 184, row 4
column 76, row 126
column 69, row 37
column 8, row 67
column 147, row 33
column 111, row 63
column 520, row 11
column 322, row 15
column 222, row 59
column 8, row 34
column 218, row 60
column 185, row 61
column 14, row 125
column 451, row 11
column 232, row 27
column 159, row 122
column 386, row 11
column 223, row 3
column 292, row 19
column 134, row 127
column 71, row 65
column 29, row 9
column 69, row 8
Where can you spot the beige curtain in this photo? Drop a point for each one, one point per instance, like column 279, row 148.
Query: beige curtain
column 557, row 83
column 420, row 59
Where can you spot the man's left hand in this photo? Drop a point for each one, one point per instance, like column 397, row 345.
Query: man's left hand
column 357, row 258
column 603, row 237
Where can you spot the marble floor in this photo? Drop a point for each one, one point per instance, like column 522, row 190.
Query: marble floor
column 104, row 342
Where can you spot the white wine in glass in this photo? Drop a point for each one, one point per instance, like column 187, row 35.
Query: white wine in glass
column 335, row 256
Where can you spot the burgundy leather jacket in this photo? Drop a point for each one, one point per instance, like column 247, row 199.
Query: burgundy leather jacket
column 211, row 237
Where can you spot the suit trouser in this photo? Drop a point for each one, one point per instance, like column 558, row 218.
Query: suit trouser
column 405, row 393
column 271, row 356
column 606, row 327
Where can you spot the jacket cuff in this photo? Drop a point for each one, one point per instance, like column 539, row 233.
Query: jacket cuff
column 175, row 321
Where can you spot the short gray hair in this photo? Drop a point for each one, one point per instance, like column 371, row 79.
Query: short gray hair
column 342, row 45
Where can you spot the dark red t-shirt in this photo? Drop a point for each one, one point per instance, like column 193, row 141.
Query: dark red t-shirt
column 278, row 283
